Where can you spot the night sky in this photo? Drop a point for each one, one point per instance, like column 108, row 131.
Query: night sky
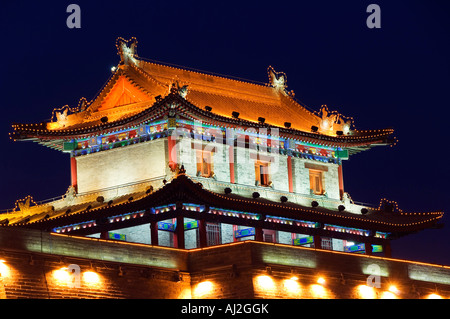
column 396, row 76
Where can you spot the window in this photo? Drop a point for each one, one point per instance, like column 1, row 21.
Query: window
column 262, row 173
column 327, row 243
column 213, row 234
column 269, row 235
column 204, row 163
column 316, row 182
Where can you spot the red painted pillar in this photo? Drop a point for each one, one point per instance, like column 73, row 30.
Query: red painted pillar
column 317, row 242
column 154, row 233
column 104, row 235
column 180, row 232
column 202, row 233
column 73, row 171
column 387, row 250
column 368, row 250
column 290, row 177
column 341, row 181
column 259, row 234
column 235, row 228
column 172, row 152
column 231, row 160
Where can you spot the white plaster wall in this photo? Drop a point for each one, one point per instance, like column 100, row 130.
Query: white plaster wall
column 120, row 166
column 279, row 173
column 338, row 244
column 221, row 163
column 190, row 236
column 301, row 177
column 226, row 233
column 165, row 238
column 332, row 181
column 244, row 167
column 284, row 237
column 186, row 156
column 136, row 234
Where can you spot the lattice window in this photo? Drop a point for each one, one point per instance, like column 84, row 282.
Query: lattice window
column 213, row 234
column 327, row 243
column 268, row 238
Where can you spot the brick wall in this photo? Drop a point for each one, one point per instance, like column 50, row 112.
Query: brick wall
column 37, row 265
column 43, row 276
column 266, row 270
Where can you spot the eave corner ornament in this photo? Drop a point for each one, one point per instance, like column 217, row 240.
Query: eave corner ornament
column 332, row 121
column 60, row 116
column 175, row 87
column 126, row 49
column 277, row 80
column 24, row 205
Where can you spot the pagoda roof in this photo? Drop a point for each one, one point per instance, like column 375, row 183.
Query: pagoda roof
column 134, row 92
column 182, row 189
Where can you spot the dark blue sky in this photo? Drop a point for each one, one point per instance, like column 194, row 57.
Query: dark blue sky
column 397, row 76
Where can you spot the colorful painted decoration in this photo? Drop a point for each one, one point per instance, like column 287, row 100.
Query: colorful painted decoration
column 377, row 248
column 355, row 248
column 303, row 241
column 246, row 232
column 166, row 226
column 117, row 236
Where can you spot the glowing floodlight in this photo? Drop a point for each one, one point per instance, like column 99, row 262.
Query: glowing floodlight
column 4, row 269
column 366, row 292
column 91, row 278
column 203, row 288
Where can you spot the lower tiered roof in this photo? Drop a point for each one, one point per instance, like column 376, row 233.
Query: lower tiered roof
column 187, row 197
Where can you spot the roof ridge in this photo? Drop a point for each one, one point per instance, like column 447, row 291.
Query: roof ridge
column 203, row 72
column 263, row 88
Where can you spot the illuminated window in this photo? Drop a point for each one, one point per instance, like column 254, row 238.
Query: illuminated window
column 204, row 163
column 316, row 182
column 262, row 177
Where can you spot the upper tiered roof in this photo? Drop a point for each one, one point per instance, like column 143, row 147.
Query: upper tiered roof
column 136, row 88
